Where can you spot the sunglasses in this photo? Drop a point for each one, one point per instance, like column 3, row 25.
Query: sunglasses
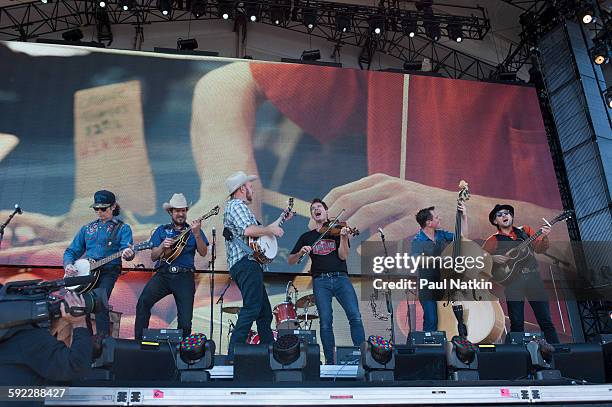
column 101, row 209
column 502, row 213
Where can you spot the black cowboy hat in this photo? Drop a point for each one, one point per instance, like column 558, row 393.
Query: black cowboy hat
column 498, row 208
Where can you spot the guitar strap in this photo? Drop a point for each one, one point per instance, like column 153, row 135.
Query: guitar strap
column 113, row 236
column 229, row 236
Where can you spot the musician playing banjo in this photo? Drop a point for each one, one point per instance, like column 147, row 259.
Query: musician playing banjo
column 173, row 276
column 104, row 236
column 330, row 277
column 240, row 223
column 526, row 282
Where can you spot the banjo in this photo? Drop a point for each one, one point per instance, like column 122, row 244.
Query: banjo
column 265, row 248
column 86, row 267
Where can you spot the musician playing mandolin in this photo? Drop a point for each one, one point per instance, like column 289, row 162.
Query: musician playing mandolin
column 104, row 236
column 526, row 282
column 431, row 241
column 176, row 276
column 239, row 223
column 330, row 277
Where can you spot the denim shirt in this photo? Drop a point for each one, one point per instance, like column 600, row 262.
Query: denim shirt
column 422, row 244
column 186, row 258
column 92, row 240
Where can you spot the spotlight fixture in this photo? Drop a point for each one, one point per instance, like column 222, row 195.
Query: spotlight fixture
column 165, row 6
column 309, row 18
column 409, row 26
column 287, row 358
column 127, row 4
column 73, row 35
column 343, row 22
column 432, row 29
column 195, row 358
column 377, row 359
column 198, row 8
column 600, row 53
column 188, row 44
column 377, row 24
column 455, row 32
column 44, row 1
column 102, row 4
column 541, row 355
column 225, row 8
column 252, row 11
column 586, row 13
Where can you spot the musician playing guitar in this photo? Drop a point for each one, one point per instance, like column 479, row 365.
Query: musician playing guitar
column 240, row 223
column 526, row 282
column 330, row 277
column 175, row 277
column 97, row 239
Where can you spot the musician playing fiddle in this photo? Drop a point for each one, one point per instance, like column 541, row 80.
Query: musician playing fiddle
column 175, row 277
column 330, row 276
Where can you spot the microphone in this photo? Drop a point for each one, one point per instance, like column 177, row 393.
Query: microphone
column 382, row 235
column 214, row 231
column 18, row 209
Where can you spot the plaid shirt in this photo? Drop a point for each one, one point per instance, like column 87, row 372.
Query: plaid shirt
column 236, row 217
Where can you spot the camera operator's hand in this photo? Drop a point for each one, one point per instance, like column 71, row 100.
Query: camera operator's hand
column 73, row 300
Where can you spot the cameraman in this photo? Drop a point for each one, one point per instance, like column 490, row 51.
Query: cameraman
column 32, row 356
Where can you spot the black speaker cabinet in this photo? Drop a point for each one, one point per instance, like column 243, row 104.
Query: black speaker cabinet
column 503, row 362
column 582, row 361
column 252, row 363
column 133, row 361
column 606, row 344
column 420, row 362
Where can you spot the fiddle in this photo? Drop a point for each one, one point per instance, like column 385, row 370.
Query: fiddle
column 336, row 228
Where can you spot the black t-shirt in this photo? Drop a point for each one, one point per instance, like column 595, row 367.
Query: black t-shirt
column 324, row 255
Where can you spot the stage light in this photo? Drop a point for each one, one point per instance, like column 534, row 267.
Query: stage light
column 73, row 35
column 127, row 4
column 461, row 358
column 309, row 18
column 455, row 32
column 188, row 44
column 44, row 1
column 225, row 8
column 343, row 22
column 600, row 54
column 287, row 357
column 102, row 4
column 432, row 29
column 586, row 14
column 165, row 6
column 198, row 8
column 252, row 11
column 377, row 359
column 195, row 358
column 377, row 24
column 541, row 355
column 409, row 26
column 311, row 55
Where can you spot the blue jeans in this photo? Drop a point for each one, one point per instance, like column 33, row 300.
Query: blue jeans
column 430, row 315
column 180, row 285
column 325, row 288
column 248, row 275
column 529, row 286
column 107, row 280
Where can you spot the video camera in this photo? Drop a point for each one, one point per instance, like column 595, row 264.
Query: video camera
column 37, row 302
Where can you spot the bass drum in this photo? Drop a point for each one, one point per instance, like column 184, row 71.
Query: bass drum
column 253, row 337
column 484, row 320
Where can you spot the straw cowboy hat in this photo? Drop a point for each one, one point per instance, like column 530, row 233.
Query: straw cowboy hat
column 238, row 179
column 178, row 201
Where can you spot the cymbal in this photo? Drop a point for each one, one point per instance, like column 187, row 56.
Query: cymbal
column 231, row 310
column 305, row 301
column 310, row 317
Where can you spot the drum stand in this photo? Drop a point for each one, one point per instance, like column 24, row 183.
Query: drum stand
column 220, row 301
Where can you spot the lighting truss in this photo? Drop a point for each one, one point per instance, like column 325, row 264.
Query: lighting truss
column 31, row 20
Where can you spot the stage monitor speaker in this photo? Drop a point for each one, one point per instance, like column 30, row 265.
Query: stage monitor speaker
column 252, row 363
column 162, row 335
column 420, row 362
column 134, row 361
column 580, row 361
column 348, row 355
column 522, row 338
column 432, row 338
column 308, row 336
column 606, row 344
column 503, row 362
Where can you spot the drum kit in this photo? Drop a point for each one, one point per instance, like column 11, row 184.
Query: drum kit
column 286, row 314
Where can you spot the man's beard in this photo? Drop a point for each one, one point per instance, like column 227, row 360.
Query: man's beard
column 249, row 196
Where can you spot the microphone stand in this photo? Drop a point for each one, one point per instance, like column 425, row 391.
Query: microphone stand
column 220, row 301
column 211, row 266
column 388, row 295
column 5, row 224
